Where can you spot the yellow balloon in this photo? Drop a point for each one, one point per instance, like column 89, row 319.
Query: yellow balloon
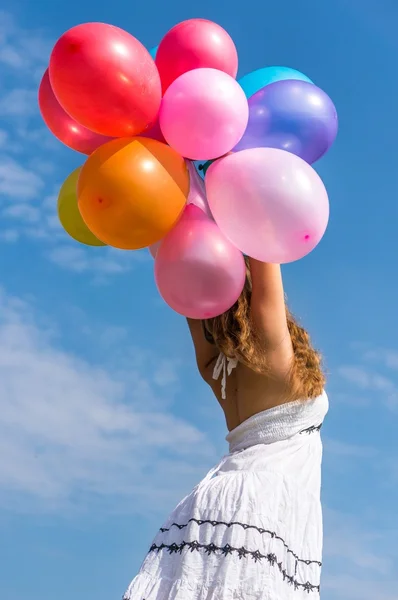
column 69, row 214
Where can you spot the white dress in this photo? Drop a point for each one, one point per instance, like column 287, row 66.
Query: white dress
column 252, row 528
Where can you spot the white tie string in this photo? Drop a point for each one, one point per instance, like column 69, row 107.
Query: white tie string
column 225, row 366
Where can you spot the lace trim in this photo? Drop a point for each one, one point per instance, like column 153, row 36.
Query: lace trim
column 241, row 553
column 245, row 526
column 311, row 429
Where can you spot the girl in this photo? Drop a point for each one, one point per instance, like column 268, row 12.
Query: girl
column 252, row 529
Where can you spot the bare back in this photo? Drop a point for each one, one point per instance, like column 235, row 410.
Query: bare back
column 248, row 392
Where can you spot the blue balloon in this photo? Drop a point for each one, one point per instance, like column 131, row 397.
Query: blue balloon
column 255, row 81
column 291, row 115
column 153, row 52
column 201, row 166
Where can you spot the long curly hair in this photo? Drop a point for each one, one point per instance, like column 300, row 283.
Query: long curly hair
column 234, row 335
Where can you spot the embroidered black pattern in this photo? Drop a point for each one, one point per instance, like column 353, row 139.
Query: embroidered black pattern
column 245, row 526
column 311, row 429
column 257, row 556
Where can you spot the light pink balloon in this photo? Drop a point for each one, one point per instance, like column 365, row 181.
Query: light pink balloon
column 204, row 114
column 199, row 273
column 197, row 190
column 270, row 203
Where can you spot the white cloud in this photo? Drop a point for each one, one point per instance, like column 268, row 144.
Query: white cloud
column 34, row 139
column 69, row 429
column 24, row 55
column 351, row 541
column 102, row 261
column 3, row 138
column 360, row 561
column 72, row 258
column 349, row 587
column 371, row 378
column 391, row 358
column 22, row 49
column 359, row 399
column 22, row 212
column 341, row 449
column 17, row 181
column 357, row 375
column 10, row 56
column 385, row 356
column 18, row 102
column 166, row 372
column 9, row 236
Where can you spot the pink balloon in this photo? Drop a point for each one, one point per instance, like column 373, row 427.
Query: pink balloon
column 204, row 114
column 270, row 203
column 197, row 191
column 66, row 129
column 199, row 273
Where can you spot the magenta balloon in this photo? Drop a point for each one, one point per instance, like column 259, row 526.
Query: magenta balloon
column 155, row 133
column 268, row 202
column 199, row 273
column 204, row 114
column 197, row 190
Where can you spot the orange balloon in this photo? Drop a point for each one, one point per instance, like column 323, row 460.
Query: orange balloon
column 132, row 191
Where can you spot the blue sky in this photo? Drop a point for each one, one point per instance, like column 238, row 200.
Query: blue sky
column 104, row 422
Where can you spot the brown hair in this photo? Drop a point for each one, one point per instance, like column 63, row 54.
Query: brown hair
column 233, row 335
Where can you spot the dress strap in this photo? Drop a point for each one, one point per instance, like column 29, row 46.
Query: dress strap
column 224, row 366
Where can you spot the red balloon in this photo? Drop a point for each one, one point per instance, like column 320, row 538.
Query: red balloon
column 66, row 129
column 105, row 79
column 194, row 44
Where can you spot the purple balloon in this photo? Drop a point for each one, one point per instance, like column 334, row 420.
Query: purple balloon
column 291, row 115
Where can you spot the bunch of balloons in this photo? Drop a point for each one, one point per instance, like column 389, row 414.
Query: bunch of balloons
column 186, row 160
